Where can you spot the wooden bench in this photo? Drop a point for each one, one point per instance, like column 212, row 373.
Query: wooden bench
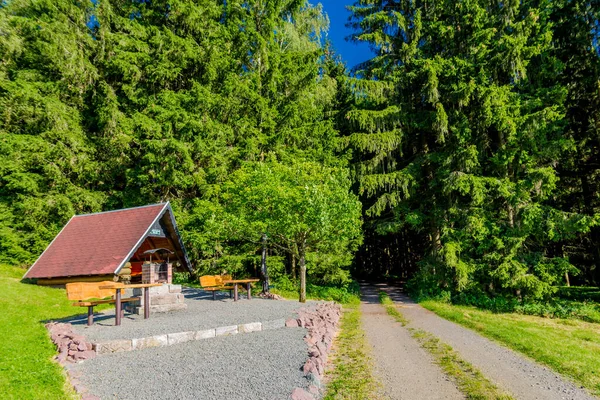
column 89, row 294
column 214, row 284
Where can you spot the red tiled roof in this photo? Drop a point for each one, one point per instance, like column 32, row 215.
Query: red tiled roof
column 95, row 244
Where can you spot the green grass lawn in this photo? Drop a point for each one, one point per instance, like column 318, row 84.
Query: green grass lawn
column 568, row 346
column 351, row 375
column 26, row 367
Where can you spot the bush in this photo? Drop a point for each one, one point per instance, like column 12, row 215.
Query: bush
column 579, row 293
column 571, row 302
column 554, row 308
column 345, row 294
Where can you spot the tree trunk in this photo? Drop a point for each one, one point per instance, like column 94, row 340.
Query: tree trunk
column 263, row 265
column 567, row 279
column 302, row 277
column 294, row 276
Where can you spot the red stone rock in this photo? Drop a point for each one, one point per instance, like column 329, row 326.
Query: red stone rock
column 301, row 394
column 84, row 355
column 322, row 348
column 309, row 367
column 78, row 339
column 61, row 357
column 291, row 323
column 319, row 365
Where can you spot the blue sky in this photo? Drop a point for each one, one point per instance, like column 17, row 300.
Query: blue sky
column 338, row 16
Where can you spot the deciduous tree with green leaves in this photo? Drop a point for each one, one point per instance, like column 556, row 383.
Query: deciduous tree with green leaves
column 303, row 207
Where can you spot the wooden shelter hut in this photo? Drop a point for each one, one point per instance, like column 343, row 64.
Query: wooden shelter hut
column 112, row 244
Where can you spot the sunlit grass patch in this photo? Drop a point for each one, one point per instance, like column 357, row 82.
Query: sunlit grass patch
column 351, row 375
column 26, row 367
column 570, row 347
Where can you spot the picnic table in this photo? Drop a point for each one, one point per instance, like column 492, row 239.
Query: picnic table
column 118, row 288
column 236, row 282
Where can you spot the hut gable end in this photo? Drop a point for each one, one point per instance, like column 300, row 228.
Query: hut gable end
column 101, row 243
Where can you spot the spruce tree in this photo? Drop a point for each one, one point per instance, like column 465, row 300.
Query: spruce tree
column 457, row 133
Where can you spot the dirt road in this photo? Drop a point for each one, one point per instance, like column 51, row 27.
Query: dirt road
column 407, row 371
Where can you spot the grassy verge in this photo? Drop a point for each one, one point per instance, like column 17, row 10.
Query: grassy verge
column 391, row 308
column 293, row 295
column 568, row 346
column 469, row 379
column 348, row 294
column 351, row 375
column 26, row 367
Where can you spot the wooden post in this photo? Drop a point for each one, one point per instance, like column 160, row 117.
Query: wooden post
column 90, row 315
column 118, row 308
column 248, row 289
column 302, row 278
column 146, row 303
column 235, row 292
column 263, row 265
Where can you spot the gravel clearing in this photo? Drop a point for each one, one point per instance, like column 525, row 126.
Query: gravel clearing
column 515, row 373
column 405, row 369
column 259, row 365
column 202, row 313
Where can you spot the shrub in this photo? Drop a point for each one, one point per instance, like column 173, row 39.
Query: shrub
column 345, row 294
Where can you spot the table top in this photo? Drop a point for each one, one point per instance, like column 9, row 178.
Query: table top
column 132, row 286
column 241, row 280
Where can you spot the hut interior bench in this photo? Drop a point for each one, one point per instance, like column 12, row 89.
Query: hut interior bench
column 214, row 284
column 89, row 294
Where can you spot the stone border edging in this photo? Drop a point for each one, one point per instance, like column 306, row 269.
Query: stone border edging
column 322, row 324
column 168, row 339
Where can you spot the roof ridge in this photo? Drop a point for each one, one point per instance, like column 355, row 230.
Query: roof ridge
column 121, row 209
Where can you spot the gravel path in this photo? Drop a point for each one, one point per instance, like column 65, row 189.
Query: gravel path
column 202, row 313
column 522, row 377
column 405, row 369
column 259, row 365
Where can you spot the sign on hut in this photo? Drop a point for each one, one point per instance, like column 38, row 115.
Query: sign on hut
column 134, row 245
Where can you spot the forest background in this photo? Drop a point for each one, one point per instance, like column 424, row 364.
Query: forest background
column 463, row 156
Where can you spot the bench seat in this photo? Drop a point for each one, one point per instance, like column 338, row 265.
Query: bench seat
column 89, row 294
column 107, row 301
column 214, row 284
column 216, row 289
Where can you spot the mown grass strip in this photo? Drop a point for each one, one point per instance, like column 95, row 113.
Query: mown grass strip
column 26, row 367
column 351, row 376
column 568, row 346
column 469, row 379
column 391, row 308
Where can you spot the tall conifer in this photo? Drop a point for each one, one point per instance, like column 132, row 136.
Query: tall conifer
column 458, row 133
